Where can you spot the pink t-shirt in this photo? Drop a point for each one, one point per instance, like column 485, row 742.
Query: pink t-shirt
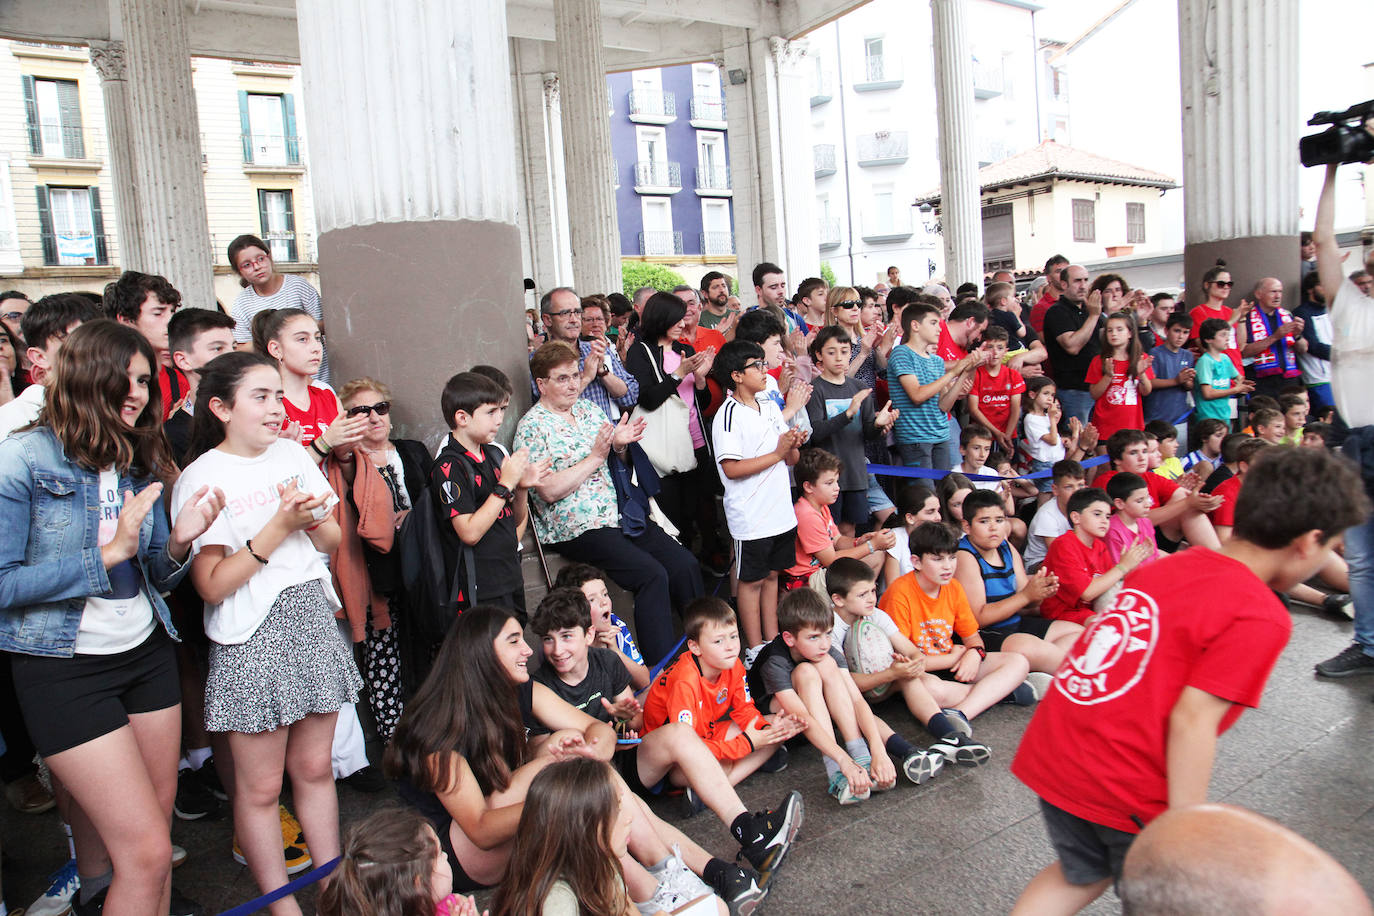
column 816, row 531
column 1120, row 538
column 686, row 390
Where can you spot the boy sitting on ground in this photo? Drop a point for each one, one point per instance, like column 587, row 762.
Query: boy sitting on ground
column 593, row 680
column 930, row 608
column 1165, row 434
column 1130, row 727
column 1051, row 519
column 1130, row 522
column 999, row 591
column 611, row 632
column 932, row 700
column 819, row 542
column 704, row 688
column 1080, row 561
column 1180, row 509
column 802, row 674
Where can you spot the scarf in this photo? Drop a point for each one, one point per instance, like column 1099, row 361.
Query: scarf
column 1266, row 363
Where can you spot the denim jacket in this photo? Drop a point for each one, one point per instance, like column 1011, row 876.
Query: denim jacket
column 50, row 557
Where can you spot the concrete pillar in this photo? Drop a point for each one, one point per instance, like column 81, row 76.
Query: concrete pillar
column 415, row 194
column 594, row 232
column 771, row 161
column 543, row 192
column 108, row 58
column 173, row 233
column 961, row 213
column 1239, row 67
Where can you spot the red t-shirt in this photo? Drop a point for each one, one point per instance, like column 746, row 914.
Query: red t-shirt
column 171, row 398
column 1121, row 406
column 314, row 419
column 707, row 337
column 1097, row 744
column 1200, row 314
column 1042, row 305
column 1161, row 489
column 1225, row 514
column 1075, row 564
column 994, row 393
column 949, row 350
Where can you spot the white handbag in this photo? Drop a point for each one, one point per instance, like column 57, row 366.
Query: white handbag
column 667, row 438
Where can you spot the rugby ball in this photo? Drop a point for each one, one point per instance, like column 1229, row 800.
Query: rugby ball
column 867, row 650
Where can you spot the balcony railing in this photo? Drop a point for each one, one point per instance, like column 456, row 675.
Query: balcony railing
column 884, row 147
column 717, row 243
column 655, row 174
column 615, row 172
column 708, row 109
column 828, row 232
column 651, row 106
column 987, row 80
column 820, row 89
column 660, row 244
column 880, row 72
column 62, row 141
column 271, row 149
column 70, row 249
column 716, row 178
column 824, row 154
column 887, row 227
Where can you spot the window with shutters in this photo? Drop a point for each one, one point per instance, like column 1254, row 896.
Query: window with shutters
column 71, row 226
column 277, row 211
column 1135, row 224
column 53, row 111
column 268, row 121
column 1084, row 220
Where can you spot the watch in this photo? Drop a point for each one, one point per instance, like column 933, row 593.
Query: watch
column 503, row 491
column 603, row 371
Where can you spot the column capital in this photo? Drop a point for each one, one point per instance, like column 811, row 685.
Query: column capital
column 551, row 88
column 108, row 59
column 787, row 55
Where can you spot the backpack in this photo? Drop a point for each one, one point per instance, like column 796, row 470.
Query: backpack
column 433, row 602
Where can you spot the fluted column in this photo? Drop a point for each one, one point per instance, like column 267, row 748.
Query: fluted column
column 961, row 212
column 414, row 179
column 173, row 234
column 108, row 58
column 796, row 204
column 593, row 230
column 1239, row 69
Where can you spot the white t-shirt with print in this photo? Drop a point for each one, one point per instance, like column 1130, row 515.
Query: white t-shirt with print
column 1352, row 354
column 250, row 490
column 759, row 505
column 1048, row 524
column 122, row 618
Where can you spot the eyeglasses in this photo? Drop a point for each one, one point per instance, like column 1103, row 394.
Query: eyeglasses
column 564, row 314
column 255, row 263
column 381, row 409
column 752, row 364
column 12, row 316
column 1226, row 283
column 848, row 304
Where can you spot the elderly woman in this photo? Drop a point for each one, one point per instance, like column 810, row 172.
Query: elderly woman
column 384, row 478
column 577, row 513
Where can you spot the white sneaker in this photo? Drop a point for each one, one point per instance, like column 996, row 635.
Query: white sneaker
column 57, row 899
column 1040, row 683
column 677, row 886
column 752, row 653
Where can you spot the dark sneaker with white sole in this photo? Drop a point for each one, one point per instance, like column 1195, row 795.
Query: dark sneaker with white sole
column 1339, row 605
column 922, row 766
column 773, row 832
column 742, row 889
column 1350, row 662
column 961, row 751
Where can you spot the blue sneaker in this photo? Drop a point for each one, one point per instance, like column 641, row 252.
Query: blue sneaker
column 57, row 899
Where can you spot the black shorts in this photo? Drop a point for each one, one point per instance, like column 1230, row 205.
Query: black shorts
column 626, row 763
column 69, row 701
column 758, row 558
column 462, row 883
column 851, row 507
column 993, row 637
column 1087, row 852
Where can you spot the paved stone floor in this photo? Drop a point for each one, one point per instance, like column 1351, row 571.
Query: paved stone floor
column 963, row 844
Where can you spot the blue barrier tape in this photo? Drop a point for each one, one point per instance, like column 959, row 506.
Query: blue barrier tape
column 894, row 470
column 289, row 887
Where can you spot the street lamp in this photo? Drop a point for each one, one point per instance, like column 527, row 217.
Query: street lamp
column 929, row 218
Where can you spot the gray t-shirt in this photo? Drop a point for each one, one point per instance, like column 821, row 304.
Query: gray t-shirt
column 295, row 293
column 772, row 671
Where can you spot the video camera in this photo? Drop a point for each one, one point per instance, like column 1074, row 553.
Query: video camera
column 1345, row 141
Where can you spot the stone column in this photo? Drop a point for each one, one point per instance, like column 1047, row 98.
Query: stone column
column 771, row 163
column 162, row 162
column 594, row 232
column 961, row 214
column 108, row 59
column 415, row 194
column 1239, row 68
column 543, row 212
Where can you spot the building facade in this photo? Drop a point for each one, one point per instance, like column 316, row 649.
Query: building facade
column 57, row 201
column 674, row 193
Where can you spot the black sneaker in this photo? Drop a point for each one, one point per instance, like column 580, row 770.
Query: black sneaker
column 369, row 779
column 773, row 832
column 1350, row 662
column 692, row 805
column 209, row 778
column 93, row 907
column 964, row 752
column 1023, row 695
column 194, row 801
column 742, row 890
column 1339, row 605
column 777, row 763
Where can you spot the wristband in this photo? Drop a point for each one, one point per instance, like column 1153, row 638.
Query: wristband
column 252, row 553
column 503, row 491
column 315, row 447
column 982, row 653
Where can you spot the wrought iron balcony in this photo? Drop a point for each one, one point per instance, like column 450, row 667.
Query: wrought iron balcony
column 824, row 155
column 713, row 180
column 717, row 243
column 708, row 109
column 653, row 176
column 660, row 244
column 884, row 147
column 648, row 106
column 828, row 232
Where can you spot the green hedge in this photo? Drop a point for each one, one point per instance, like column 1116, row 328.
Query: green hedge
column 635, row 274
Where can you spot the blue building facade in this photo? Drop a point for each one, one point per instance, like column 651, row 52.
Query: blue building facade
column 672, row 164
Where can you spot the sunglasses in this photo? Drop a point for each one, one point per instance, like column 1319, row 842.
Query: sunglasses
column 848, row 304
column 1226, row 283
column 381, row 409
